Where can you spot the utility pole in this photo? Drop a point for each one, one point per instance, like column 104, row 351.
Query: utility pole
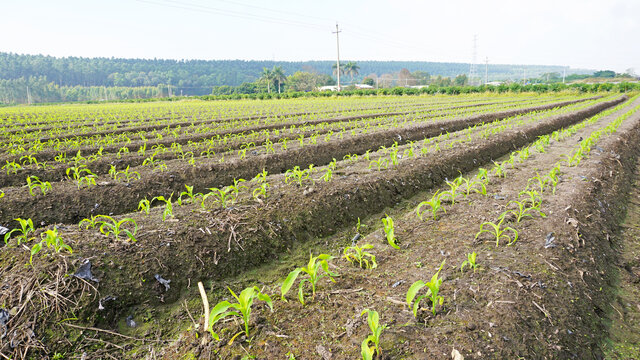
column 28, row 95
column 338, row 62
column 524, row 76
column 486, row 70
column 564, row 73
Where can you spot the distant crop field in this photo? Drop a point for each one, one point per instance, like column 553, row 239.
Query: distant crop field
column 387, row 227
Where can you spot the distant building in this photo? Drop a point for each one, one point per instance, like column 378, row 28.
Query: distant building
column 494, row 83
column 363, row 86
column 418, row 86
column 328, row 88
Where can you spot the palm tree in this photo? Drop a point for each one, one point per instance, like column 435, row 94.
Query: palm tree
column 267, row 76
column 352, row 69
column 278, row 76
column 335, row 66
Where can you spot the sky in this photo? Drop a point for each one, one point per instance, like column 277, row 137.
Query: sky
column 592, row 34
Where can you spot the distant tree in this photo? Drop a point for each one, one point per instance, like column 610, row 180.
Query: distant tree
column 278, row 76
column 405, row 77
column 461, row 80
column 302, row 81
column 267, row 76
column 352, row 69
column 422, row 77
column 604, row 74
column 369, row 81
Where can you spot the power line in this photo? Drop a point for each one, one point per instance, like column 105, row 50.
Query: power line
column 237, row 14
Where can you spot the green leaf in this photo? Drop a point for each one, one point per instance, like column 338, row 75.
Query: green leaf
column 366, row 351
column 288, row 282
column 301, row 291
column 413, row 290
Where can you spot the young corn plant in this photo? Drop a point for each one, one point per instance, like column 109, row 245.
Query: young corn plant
column 522, row 211
column 381, row 163
column 127, row 175
column 168, row 206
column 144, row 206
column 532, row 197
column 33, row 182
column 12, row 167
column 260, row 192
column 483, row 176
column 189, row 195
column 389, row 231
column 451, row 193
column 222, row 196
column 241, row 309
column 51, row 239
column 435, row 204
column 298, row 175
column 26, row 227
column 498, row 169
column 433, row 289
column 328, row 175
column 373, row 319
column 356, row 254
column 81, row 175
column 498, row 232
column 471, row 262
column 313, row 270
column 112, row 226
column 91, row 222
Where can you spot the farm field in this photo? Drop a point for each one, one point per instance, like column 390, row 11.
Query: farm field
column 493, row 226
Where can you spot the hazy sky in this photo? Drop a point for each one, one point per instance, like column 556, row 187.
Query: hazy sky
column 596, row 34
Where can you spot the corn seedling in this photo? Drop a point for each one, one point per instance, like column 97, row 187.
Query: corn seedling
column 188, row 195
column 81, row 175
column 483, row 175
column 298, row 175
column 26, row 227
column 223, row 196
column 359, row 254
column 533, row 198
column 381, row 163
column 328, row 175
column 112, row 226
column 373, row 319
column 498, row 169
column 33, row 182
column 498, row 232
column 389, row 231
column 522, row 211
column 12, row 167
column 127, row 175
column 313, row 268
column 241, row 309
column 260, row 191
column 144, row 206
column 91, row 222
column 168, row 207
column 451, row 193
column 434, row 203
column 471, row 262
column 261, row 177
column 51, row 239
column 433, row 287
